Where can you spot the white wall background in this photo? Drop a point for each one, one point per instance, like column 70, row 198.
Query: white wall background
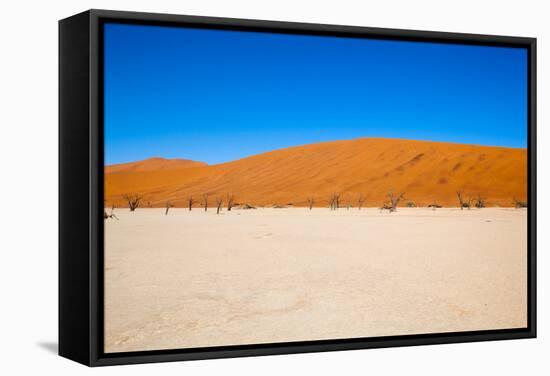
column 28, row 189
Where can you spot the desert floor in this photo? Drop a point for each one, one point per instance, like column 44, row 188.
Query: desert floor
column 194, row 279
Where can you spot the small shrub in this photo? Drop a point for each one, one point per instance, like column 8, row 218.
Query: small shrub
column 520, row 204
column 411, row 204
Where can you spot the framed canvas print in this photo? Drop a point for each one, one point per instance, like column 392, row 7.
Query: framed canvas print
column 239, row 187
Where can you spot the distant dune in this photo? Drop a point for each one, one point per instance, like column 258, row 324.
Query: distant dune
column 424, row 171
column 153, row 164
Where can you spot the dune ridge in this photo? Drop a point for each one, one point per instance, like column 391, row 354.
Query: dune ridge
column 153, row 164
column 425, row 171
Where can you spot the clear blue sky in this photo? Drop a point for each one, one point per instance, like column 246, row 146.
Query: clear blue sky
column 216, row 95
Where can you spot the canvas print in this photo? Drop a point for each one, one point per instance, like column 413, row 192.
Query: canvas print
column 266, row 188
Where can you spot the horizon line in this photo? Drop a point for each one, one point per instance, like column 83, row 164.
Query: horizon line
column 317, row 143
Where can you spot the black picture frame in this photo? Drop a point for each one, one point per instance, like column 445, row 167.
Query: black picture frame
column 81, row 188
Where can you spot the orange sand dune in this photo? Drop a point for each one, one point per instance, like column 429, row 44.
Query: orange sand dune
column 153, row 164
column 424, row 171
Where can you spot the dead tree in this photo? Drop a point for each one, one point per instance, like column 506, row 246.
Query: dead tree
column 460, row 199
column 518, row 204
column 205, row 201
column 385, row 206
column 133, row 200
column 190, row 202
column 310, row 202
column 111, row 215
column 230, row 201
column 394, row 201
column 335, row 201
column 219, row 203
column 434, row 205
column 113, row 212
column 168, row 206
column 360, row 201
column 480, row 202
column 464, row 202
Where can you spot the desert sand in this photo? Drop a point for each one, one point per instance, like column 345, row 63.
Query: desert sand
column 425, row 171
column 194, row 279
column 153, row 164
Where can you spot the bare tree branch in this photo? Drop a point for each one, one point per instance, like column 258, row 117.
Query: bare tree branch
column 205, row 201
column 335, row 201
column 460, row 199
column 230, row 201
column 394, row 201
column 168, row 206
column 464, row 202
column 133, row 200
column 219, row 203
column 480, row 202
column 519, row 203
column 360, row 201
column 190, row 202
column 111, row 215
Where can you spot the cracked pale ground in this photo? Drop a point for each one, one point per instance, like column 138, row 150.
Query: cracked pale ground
column 194, row 279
